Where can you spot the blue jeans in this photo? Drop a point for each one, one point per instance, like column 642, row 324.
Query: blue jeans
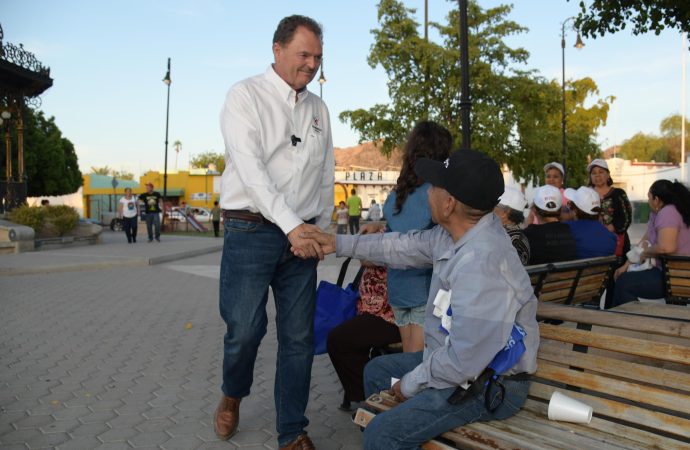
column 428, row 414
column 153, row 220
column 645, row 283
column 256, row 256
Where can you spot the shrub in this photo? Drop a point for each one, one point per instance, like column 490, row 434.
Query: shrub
column 64, row 218
column 29, row 216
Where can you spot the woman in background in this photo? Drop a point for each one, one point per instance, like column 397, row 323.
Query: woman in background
column 668, row 231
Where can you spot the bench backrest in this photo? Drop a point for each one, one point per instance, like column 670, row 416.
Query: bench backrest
column 571, row 282
column 677, row 272
column 634, row 371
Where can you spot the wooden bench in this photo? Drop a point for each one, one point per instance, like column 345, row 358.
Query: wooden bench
column 677, row 271
column 572, row 282
column 638, row 385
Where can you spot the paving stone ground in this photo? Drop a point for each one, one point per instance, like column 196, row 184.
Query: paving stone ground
column 129, row 357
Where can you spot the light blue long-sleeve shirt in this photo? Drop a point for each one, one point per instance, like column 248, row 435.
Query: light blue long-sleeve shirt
column 490, row 291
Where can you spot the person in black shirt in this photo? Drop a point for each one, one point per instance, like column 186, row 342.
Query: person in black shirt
column 550, row 241
column 153, row 205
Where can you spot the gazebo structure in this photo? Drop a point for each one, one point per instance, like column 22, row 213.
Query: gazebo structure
column 22, row 79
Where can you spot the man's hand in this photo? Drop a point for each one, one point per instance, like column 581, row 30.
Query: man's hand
column 397, row 392
column 305, row 247
column 325, row 241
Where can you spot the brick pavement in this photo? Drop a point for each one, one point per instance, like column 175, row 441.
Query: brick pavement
column 129, row 357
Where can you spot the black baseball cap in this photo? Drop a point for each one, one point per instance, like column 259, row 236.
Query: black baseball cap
column 470, row 176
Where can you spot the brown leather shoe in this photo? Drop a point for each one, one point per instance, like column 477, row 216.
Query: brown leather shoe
column 227, row 417
column 301, row 443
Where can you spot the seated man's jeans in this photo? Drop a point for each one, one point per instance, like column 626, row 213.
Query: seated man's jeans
column 428, row 414
column 256, row 256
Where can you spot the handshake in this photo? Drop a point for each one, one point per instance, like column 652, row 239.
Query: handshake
column 309, row 241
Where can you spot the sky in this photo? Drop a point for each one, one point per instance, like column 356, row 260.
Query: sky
column 108, row 59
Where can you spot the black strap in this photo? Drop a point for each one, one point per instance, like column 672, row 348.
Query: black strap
column 343, row 272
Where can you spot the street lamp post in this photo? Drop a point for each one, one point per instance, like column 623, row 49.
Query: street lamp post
column 167, row 81
column 322, row 80
column 578, row 44
column 465, row 99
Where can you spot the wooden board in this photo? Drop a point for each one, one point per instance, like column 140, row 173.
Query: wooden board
column 655, row 310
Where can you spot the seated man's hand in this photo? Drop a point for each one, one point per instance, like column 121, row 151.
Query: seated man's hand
column 374, row 227
column 305, row 247
column 397, row 392
column 326, row 241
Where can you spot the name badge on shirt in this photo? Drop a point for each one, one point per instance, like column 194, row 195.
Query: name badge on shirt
column 315, row 124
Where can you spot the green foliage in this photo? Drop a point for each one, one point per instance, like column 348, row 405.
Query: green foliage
column 204, row 159
column 50, row 160
column 598, row 17
column 516, row 114
column 62, row 217
column 122, row 174
column 30, row 216
column 645, row 147
column 101, row 170
column 46, row 221
column 663, row 148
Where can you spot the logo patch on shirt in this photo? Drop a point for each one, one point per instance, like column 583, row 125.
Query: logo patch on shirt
column 315, row 124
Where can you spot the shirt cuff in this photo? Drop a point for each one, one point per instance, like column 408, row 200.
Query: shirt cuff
column 411, row 383
column 287, row 221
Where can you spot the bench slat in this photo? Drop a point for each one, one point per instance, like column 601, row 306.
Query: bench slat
column 603, row 429
column 617, row 410
column 655, row 309
column 680, row 273
column 610, row 319
column 672, row 401
column 571, row 435
column 627, row 345
column 563, row 354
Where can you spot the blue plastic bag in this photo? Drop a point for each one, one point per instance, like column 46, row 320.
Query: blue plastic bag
column 334, row 305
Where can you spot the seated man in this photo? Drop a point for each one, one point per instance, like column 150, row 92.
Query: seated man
column 510, row 210
column 482, row 294
column 550, row 240
column 592, row 238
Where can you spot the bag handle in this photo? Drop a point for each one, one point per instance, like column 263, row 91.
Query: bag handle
column 343, row 272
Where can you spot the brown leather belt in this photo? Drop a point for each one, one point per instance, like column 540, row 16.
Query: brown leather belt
column 243, row 214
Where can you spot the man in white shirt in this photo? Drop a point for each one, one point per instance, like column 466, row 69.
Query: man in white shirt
column 278, row 183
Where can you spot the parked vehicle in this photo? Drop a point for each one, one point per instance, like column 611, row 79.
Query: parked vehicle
column 200, row 214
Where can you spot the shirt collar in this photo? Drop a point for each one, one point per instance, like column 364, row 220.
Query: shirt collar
column 286, row 92
column 484, row 222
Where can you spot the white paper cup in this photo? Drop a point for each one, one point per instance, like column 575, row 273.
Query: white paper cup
column 566, row 409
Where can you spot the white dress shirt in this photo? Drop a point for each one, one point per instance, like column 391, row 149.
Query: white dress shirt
column 264, row 172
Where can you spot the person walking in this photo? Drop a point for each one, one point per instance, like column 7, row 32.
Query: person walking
column 215, row 218
column 354, row 206
column 128, row 211
column 271, row 122
column 153, row 205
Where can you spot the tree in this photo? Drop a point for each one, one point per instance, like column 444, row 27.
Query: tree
column 645, row 147
column 101, row 170
column 515, row 113
column 51, row 163
column 204, row 159
column 122, row 174
column 605, row 16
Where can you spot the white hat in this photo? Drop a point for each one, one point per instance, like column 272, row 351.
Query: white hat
column 585, row 198
column 548, row 198
column 512, row 198
column 554, row 165
column 598, row 163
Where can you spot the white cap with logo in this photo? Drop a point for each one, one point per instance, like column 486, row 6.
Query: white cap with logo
column 585, row 198
column 548, row 198
column 554, row 165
